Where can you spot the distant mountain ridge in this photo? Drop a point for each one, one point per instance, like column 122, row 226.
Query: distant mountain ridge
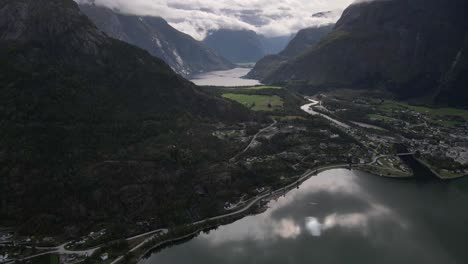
column 304, row 40
column 240, row 46
column 184, row 54
column 415, row 49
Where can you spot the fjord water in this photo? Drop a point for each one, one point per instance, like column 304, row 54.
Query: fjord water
column 342, row 216
column 229, row 78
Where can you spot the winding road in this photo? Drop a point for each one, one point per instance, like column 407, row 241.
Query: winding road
column 61, row 249
column 307, row 108
column 252, row 142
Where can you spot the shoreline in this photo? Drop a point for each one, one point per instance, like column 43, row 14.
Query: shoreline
column 246, row 207
column 438, row 174
column 243, row 212
column 238, row 214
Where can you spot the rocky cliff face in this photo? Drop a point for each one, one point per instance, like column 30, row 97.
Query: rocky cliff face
column 304, row 40
column 19, row 23
column 453, row 89
column 403, row 46
column 184, row 54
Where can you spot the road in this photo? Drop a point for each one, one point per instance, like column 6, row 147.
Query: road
column 307, row 108
column 164, row 230
column 282, row 190
column 304, row 177
column 375, row 159
column 253, row 141
column 88, row 252
column 62, row 250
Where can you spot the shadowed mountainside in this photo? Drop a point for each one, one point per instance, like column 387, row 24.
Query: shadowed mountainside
column 414, row 49
column 184, row 54
column 93, row 129
column 304, row 40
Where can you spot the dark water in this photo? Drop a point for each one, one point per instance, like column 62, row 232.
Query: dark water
column 343, row 217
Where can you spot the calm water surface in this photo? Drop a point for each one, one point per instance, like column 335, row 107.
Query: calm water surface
column 341, row 216
column 230, row 78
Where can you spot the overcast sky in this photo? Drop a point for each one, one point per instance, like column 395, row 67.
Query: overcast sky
column 268, row 17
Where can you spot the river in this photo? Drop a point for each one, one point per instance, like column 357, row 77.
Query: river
column 229, row 78
column 308, row 109
column 342, row 216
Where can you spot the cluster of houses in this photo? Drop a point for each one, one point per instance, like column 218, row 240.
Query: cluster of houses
column 91, row 236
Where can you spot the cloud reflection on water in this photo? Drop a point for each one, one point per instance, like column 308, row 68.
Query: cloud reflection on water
column 357, row 221
column 366, row 219
column 271, row 226
column 314, row 226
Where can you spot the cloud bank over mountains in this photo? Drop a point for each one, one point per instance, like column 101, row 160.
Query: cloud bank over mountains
column 198, row 17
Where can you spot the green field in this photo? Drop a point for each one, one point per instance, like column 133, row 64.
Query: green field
column 264, row 87
column 257, row 102
column 441, row 116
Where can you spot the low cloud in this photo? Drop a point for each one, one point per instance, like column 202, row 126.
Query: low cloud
column 198, row 17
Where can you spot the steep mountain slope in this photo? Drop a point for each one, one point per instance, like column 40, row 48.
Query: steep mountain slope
column 273, row 45
column 91, row 128
column 184, row 54
column 243, row 45
column 453, row 87
column 304, row 40
column 404, row 46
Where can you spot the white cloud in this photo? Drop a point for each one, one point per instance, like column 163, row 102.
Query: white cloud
column 197, row 17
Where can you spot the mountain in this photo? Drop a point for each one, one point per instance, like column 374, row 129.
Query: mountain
column 415, row 49
column 184, row 54
column 303, row 40
column 93, row 129
column 241, row 46
column 453, row 87
column 273, row 45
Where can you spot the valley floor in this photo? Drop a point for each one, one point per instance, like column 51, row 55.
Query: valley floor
column 297, row 139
